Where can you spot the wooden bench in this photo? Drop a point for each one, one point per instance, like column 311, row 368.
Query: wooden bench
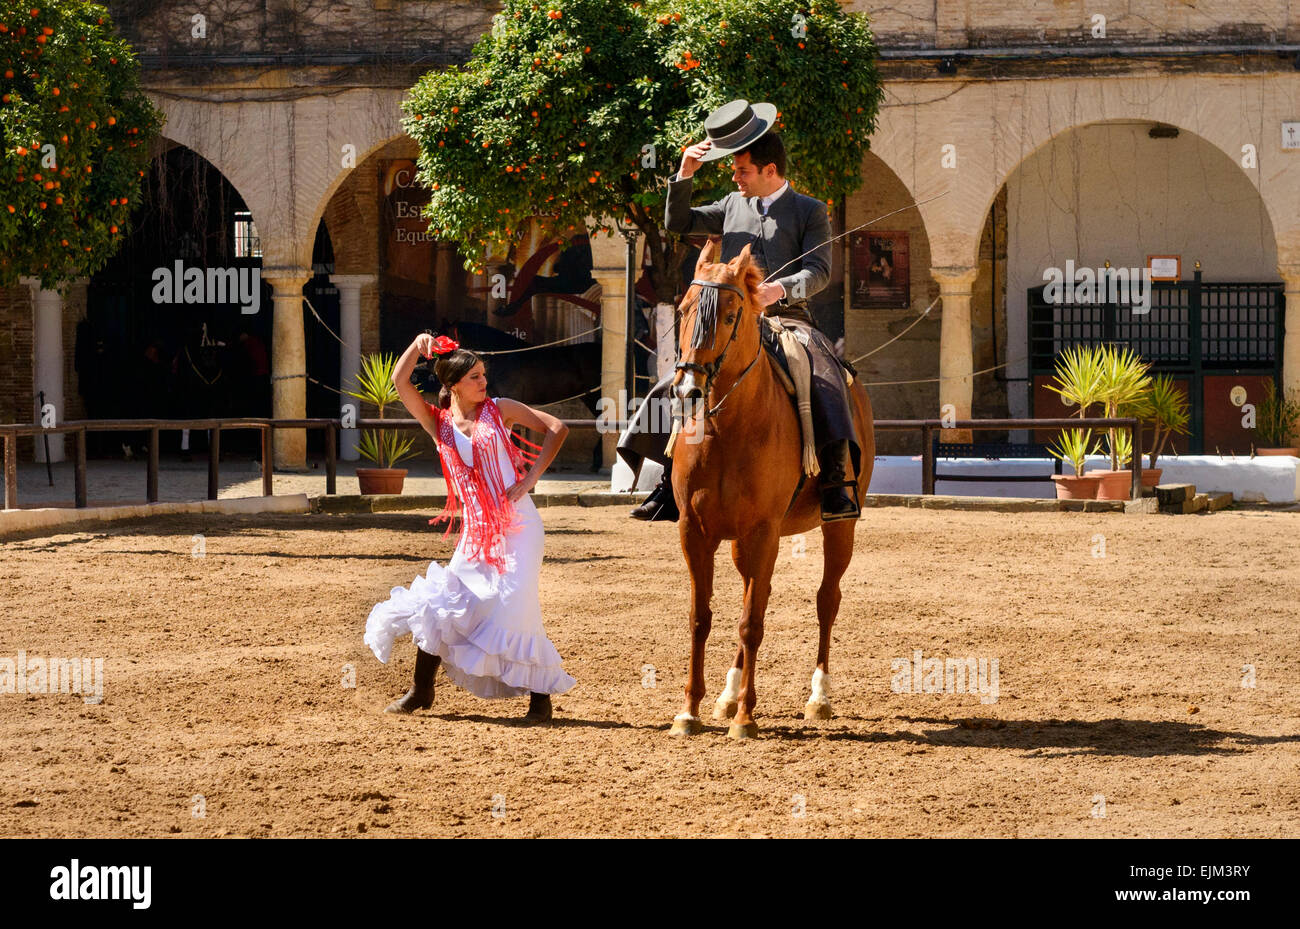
column 992, row 451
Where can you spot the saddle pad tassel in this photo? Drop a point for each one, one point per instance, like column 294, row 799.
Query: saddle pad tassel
column 672, row 436
column 801, row 373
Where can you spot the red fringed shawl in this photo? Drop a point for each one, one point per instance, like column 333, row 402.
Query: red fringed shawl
column 486, row 522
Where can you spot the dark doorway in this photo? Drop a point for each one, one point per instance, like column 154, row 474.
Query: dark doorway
column 164, row 340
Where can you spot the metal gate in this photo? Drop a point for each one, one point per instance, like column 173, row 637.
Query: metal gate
column 1194, row 330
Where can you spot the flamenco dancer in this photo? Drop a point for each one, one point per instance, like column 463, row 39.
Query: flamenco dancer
column 479, row 618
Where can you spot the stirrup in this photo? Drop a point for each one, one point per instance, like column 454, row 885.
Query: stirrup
column 852, row 495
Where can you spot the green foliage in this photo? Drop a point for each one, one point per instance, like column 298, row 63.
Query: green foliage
column 1074, row 446
column 1277, row 418
column 1124, row 380
column 375, row 386
column 75, row 134
column 1168, row 412
column 571, row 109
column 1119, row 445
column 385, row 447
column 823, row 81
column 1122, row 392
column 547, row 118
column 1078, row 377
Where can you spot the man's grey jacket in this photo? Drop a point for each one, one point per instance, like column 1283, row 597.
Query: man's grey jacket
column 795, row 223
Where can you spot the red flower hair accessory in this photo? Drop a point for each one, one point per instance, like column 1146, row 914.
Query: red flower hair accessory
column 442, row 345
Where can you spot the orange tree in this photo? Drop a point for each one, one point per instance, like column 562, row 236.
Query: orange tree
column 75, row 131
column 570, row 109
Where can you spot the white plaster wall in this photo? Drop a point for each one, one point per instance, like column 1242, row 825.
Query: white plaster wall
column 1109, row 191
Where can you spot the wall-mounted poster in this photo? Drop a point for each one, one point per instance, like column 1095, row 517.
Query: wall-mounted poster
column 882, row 274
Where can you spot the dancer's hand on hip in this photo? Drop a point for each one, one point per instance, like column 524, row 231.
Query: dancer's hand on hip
column 518, row 491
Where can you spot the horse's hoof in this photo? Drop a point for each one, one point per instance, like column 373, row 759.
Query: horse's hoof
column 686, row 725
column 746, row 731
column 817, row 710
column 724, row 709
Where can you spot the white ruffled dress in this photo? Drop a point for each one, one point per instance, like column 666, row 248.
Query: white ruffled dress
column 486, row 627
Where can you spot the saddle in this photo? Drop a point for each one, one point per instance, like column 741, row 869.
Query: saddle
column 787, row 350
column 772, row 337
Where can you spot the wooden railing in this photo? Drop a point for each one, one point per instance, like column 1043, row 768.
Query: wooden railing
column 78, row 428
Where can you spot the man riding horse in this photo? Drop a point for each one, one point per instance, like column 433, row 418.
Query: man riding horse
column 789, row 235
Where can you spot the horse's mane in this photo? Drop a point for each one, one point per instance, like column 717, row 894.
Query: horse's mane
column 706, row 315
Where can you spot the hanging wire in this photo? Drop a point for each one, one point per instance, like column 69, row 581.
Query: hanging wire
column 529, row 348
column 924, row 313
column 936, row 380
column 914, row 203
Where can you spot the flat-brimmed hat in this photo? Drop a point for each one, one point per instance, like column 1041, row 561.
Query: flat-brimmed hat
column 735, row 126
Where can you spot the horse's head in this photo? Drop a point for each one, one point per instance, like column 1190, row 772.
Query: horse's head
column 720, row 308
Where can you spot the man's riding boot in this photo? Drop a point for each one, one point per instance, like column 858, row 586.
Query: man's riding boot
column 420, row 696
column 839, row 491
column 660, row 504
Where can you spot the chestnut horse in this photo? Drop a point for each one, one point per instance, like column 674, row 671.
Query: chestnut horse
column 736, row 471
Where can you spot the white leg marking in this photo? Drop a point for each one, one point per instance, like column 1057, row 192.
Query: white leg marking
column 732, row 690
column 821, row 687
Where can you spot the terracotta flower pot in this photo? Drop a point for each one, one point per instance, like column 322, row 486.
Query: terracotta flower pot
column 381, row 480
column 1115, row 485
column 1293, row 452
column 1151, row 476
column 1073, row 487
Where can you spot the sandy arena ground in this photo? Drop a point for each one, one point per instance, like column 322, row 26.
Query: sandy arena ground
column 1121, row 709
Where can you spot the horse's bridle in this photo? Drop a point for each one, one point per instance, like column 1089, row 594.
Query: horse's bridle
column 710, row 370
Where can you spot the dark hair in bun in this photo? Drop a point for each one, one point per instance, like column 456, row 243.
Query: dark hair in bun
column 449, row 369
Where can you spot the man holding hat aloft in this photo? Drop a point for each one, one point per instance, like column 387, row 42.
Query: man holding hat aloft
column 789, row 234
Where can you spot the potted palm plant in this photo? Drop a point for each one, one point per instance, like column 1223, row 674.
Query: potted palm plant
column 1277, row 422
column 385, row 447
column 1123, row 391
column 1074, row 446
column 1167, row 410
column 1078, row 377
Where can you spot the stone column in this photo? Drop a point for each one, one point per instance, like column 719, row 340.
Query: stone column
column 609, row 257
column 955, row 354
column 288, row 364
column 349, row 286
column 47, row 358
column 1291, row 344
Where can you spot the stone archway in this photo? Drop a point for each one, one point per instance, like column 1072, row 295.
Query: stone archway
column 964, row 139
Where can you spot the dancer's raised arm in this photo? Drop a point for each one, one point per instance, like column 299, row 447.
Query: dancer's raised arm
column 411, row 398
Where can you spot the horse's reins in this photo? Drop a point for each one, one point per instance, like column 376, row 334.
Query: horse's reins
column 706, row 307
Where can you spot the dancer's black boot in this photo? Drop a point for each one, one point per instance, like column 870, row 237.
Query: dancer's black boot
column 839, row 491
column 420, row 696
column 539, row 708
column 660, row 504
